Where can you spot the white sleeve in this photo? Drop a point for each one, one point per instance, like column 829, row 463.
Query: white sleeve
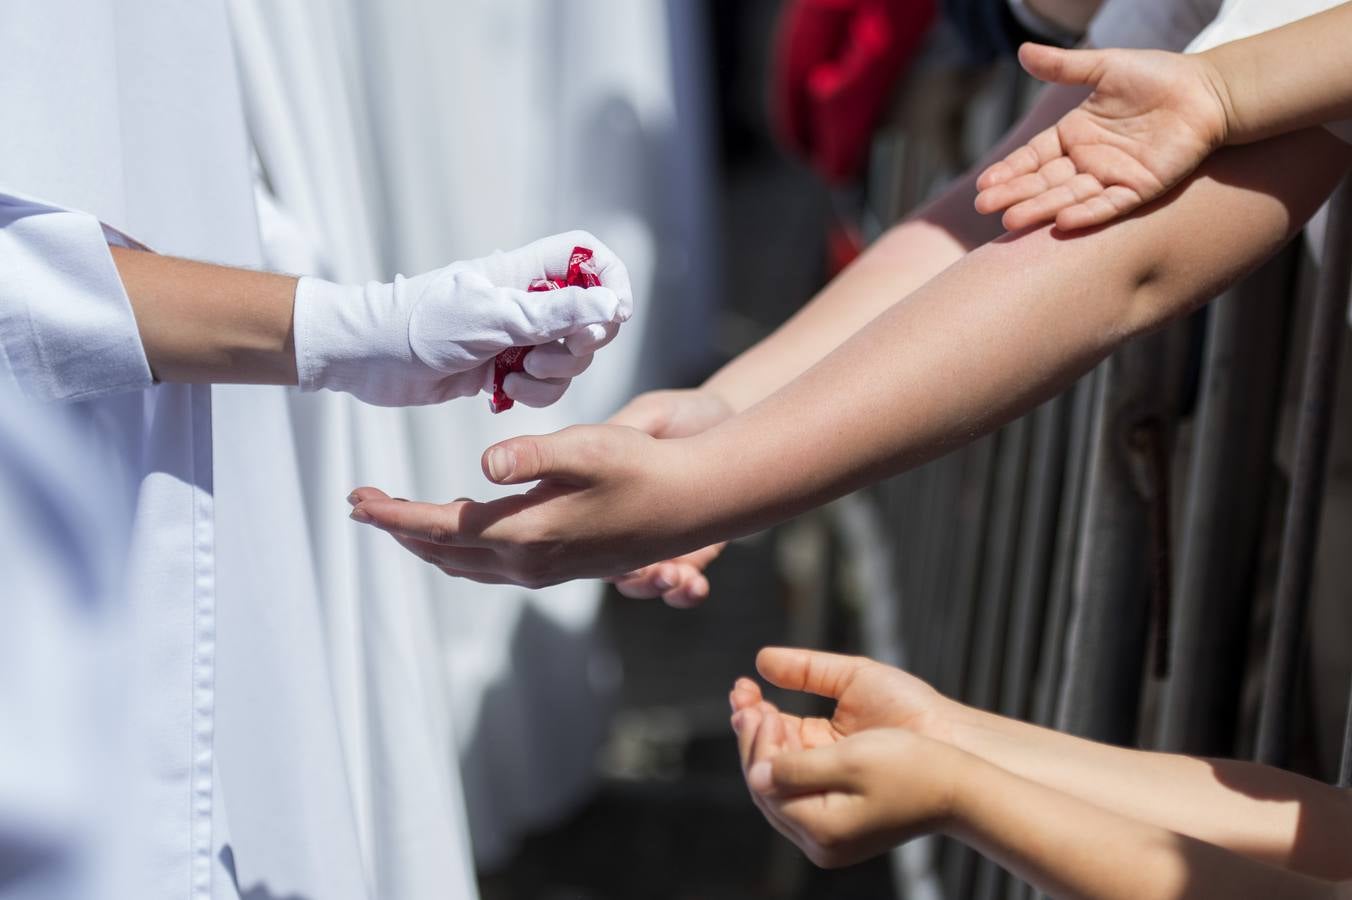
column 1150, row 24
column 67, row 331
column 1239, row 19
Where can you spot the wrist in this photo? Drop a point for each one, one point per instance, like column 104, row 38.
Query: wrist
column 1213, row 68
column 956, row 772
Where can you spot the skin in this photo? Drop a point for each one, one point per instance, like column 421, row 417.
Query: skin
column 235, row 330
column 985, row 341
column 1269, row 815
column 854, row 798
column 1153, row 117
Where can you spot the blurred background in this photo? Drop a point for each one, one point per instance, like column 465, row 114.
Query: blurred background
column 1154, row 558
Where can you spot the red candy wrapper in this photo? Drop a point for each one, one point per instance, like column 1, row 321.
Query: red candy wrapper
column 581, row 273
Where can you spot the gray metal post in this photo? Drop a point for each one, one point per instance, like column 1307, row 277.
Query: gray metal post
column 1106, row 647
column 1313, row 427
column 1222, row 520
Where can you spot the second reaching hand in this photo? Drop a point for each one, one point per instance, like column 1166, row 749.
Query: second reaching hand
column 1153, row 117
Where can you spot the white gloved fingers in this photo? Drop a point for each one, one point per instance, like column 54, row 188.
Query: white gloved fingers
column 592, row 338
column 548, row 258
column 535, row 392
column 533, row 318
column 555, row 361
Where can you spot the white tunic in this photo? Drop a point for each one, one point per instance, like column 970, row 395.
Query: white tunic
column 130, row 114
column 62, row 697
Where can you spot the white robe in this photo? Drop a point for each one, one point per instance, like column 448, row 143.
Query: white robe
column 396, row 137
column 62, row 697
column 130, row 113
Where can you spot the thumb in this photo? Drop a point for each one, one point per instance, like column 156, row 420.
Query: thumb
column 569, row 454
column 793, row 772
column 1061, row 66
column 824, row 674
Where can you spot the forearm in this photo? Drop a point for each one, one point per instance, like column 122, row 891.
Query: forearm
column 202, row 323
column 1073, row 849
column 902, row 260
column 1289, row 78
column 1259, row 811
column 1010, row 325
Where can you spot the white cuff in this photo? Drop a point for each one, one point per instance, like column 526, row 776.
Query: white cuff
column 66, row 325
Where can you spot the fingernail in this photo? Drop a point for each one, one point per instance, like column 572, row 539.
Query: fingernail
column 663, row 581
column 360, row 515
column 501, row 463
column 759, row 777
column 737, row 718
column 353, row 499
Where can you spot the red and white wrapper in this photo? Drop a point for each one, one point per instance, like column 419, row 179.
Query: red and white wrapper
column 581, row 273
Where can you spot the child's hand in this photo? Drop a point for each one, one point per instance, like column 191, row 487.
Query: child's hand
column 1151, row 119
column 680, row 581
column 849, row 799
column 868, row 694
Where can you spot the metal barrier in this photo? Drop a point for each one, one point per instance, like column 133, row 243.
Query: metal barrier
column 1094, row 566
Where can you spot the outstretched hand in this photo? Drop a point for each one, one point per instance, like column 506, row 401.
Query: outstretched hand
column 606, row 500
column 845, row 800
column 680, row 581
column 1151, row 119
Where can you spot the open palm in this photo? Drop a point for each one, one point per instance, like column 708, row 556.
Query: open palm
column 867, row 694
column 1150, row 121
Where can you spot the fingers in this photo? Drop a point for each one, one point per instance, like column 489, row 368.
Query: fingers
column 451, row 524
column 1115, row 202
column 1061, row 66
column 543, row 316
column 1045, row 206
column 746, row 723
column 572, row 454
column 556, row 361
column 535, row 392
column 1022, row 187
column 745, row 693
column 590, row 339
column 768, row 744
column 824, row 674
column 1032, row 156
column 555, row 251
column 795, row 772
column 679, row 583
column 366, row 493
column 466, row 561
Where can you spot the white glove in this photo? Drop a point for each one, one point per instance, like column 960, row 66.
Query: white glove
column 434, row 337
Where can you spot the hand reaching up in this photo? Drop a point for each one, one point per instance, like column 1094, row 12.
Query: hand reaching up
column 1150, row 121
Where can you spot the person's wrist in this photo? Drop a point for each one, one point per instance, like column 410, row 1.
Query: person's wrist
column 1212, row 68
column 942, row 721
column 950, row 771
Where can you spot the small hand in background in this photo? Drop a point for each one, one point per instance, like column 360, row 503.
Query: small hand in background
column 851, row 798
column 681, row 581
column 1150, row 121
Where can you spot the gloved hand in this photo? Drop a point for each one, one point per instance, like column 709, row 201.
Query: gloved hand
column 434, row 337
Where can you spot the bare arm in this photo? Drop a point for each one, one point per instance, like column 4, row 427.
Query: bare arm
column 1259, row 811
column 903, row 259
column 1010, row 325
column 1074, row 849
column 1265, row 813
column 844, row 799
column 1288, row 78
column 213, row 324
